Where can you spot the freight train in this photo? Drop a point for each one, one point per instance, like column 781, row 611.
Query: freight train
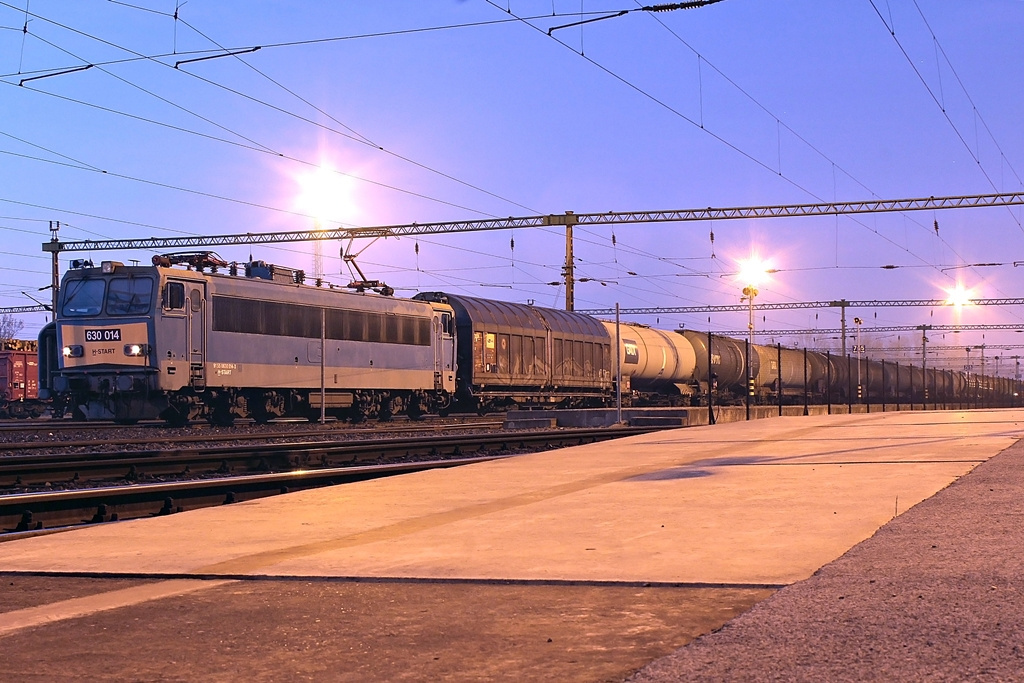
column 193, row 337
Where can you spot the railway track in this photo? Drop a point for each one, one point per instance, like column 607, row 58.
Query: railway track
column 150, row 437
column 45, row 491
column 45, row 424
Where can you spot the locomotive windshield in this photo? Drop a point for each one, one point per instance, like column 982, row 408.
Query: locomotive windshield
column 83, row 297
column 122, row 296
column 129, row 295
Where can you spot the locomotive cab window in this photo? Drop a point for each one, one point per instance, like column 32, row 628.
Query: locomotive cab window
column 174, row 296
column 129, row 295
column 83, row 297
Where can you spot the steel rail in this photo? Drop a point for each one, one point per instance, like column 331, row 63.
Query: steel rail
column 76, row 469
column 305, row 463
column 43, row 511
column 243, row 437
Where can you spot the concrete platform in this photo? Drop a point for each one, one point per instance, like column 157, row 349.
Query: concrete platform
column 743, row 507
column 935, row 595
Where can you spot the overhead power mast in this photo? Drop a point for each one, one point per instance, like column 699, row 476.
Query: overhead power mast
column 55, row 275
column 568, row 270
column 570, row 280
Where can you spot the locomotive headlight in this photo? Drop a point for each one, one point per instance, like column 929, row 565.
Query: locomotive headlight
column 74, row 351
column 135, row 349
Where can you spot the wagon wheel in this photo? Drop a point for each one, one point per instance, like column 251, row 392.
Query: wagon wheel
column 221, row 416
column 391, row 406
column 414, row 409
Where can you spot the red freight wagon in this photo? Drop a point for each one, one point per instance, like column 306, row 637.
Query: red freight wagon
column 19, row 384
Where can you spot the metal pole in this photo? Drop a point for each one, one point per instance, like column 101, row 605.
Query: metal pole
column 842, row 320
column 750, row 292
column 849, row 385
column 55, row 279
column 924, row 367
column 750, row 381
column 897, row 392
column 909, row 370
column 779, row 378
column 967, row 379
column 618, row 368
column 570, row 280
column 883, row 386
column 828, row 384
column 711, row 393
column 984, row 402
column 323, row 365
column 806, row 411
column 867, row 373
column 860, row 382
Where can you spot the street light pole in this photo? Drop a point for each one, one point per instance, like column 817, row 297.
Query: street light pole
column 752, row 273
column 860, row 384
column 967, row 369
column 982, row 376
column 750, row 291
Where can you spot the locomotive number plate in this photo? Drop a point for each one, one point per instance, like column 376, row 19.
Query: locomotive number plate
column 103, row 335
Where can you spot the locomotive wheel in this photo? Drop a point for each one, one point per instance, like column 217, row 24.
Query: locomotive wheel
column 222, row 417
column 174, row 417
column 414, row 410
column 262, row 416
column 390, row 407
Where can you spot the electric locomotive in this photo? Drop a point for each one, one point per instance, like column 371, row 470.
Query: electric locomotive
column 157, row 341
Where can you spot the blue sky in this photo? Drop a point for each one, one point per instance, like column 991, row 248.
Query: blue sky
column 740, row 103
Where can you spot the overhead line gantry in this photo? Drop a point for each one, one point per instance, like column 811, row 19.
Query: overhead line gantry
column 14, row 310
column 566, row 220
column 842, row 303
column 1019, row 327
column 550, row 220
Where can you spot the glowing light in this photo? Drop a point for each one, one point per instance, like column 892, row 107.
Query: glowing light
column 324, row 194
column 959, row 296
column 753, row 271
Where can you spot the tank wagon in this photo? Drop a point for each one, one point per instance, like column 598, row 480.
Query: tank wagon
column 220, row 341
column 656, row 364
